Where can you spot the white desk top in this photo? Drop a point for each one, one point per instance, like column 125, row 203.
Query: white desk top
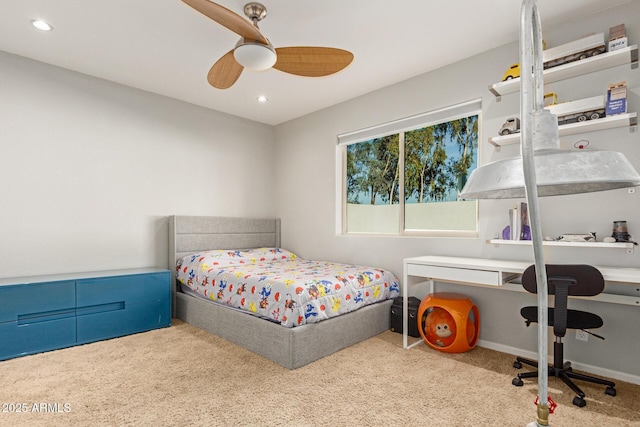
column 610, row 274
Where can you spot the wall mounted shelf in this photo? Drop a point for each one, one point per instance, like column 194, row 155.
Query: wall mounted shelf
column 609, row 122
column 599, row 245
column 628, row 55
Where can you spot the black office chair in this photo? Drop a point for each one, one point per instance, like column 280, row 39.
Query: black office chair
column 562, row 281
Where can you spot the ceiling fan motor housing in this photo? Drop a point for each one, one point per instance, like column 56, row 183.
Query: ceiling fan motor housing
column 255, row 11
column 252, row 54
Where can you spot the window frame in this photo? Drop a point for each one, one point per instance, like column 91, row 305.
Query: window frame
column 431, row 118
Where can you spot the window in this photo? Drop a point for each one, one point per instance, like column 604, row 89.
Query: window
column 405, row 177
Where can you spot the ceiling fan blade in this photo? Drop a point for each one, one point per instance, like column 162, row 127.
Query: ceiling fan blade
column 311, row 61
column 225, row 72
column 228, row 19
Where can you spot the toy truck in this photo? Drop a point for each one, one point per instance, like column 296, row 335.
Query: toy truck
column 579, row 111
column 563, row 54
column 511, row 125
column 567, row 112
column 574, row 51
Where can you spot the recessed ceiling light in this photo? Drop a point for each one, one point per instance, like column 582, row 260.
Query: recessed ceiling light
column 41, row 25
column 262, row 99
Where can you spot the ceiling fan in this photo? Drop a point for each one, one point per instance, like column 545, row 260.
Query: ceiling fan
column 254, row 51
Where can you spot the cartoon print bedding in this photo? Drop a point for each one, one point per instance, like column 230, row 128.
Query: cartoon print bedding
column 276, row 284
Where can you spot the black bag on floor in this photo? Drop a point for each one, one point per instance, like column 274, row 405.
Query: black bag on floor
column 396, row 316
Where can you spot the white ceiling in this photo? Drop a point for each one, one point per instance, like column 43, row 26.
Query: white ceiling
column 166, row 47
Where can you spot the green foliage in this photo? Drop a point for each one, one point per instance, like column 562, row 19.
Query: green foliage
column 427, row 176
column 465, row 133
column 372, row 170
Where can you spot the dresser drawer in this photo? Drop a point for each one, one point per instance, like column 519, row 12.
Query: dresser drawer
column 129, row 289
column 18, row 339
column 113, row 306
column 123, row 320
column 38, row 301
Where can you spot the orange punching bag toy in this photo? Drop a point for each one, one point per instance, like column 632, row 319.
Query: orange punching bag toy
column 441, row 316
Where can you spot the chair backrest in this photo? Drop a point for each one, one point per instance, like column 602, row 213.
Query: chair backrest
column 562, row 281
column 586, row 280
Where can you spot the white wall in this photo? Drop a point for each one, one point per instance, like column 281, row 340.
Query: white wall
column 306, row 185
column 91, row 169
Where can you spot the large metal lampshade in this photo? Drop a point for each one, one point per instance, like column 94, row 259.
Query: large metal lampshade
column 544, row 170
column 558, row 172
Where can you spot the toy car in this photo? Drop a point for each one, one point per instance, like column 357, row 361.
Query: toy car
column 512, row 125
column 512, row 73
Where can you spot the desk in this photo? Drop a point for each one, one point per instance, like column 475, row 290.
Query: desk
column 495, row 273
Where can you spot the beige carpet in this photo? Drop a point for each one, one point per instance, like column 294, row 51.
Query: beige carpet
column 183, row 376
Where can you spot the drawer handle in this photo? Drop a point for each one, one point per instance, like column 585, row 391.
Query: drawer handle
column 100, row 308
column 45, row 316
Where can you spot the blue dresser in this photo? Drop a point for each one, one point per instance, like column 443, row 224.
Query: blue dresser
column 42, row 313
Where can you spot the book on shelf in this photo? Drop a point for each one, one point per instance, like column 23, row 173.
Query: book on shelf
column 518, row 228
column 525, row 230
column 515, row 221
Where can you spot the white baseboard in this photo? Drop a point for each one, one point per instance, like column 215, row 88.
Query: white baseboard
column 595, row 370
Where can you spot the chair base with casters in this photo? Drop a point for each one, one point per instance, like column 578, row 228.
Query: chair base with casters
column 562, row 369
column 563, row 281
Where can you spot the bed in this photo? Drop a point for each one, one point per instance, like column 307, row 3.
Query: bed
column 291, row 345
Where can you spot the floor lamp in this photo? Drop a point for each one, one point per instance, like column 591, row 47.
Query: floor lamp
column 544, row 170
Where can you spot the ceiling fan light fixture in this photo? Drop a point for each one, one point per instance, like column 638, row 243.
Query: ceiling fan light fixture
column 254, row 56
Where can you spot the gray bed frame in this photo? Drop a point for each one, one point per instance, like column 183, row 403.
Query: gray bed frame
column 289, row 347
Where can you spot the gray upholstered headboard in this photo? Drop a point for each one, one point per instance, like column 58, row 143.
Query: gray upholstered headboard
column 190, row 234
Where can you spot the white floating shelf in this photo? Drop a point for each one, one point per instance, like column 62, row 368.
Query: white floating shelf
column 628, row 55
column 608, row 122
column 601, row 245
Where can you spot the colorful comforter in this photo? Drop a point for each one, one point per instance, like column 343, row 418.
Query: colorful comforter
column 276, row 284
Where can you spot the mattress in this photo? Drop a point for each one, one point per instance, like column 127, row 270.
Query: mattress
column 275, row 284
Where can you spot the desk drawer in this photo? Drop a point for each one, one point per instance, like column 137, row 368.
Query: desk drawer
column 456, row 274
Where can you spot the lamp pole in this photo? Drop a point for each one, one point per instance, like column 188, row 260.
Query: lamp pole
column 533, row 126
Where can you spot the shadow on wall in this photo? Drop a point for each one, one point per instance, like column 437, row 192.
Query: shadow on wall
column 160, row 241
